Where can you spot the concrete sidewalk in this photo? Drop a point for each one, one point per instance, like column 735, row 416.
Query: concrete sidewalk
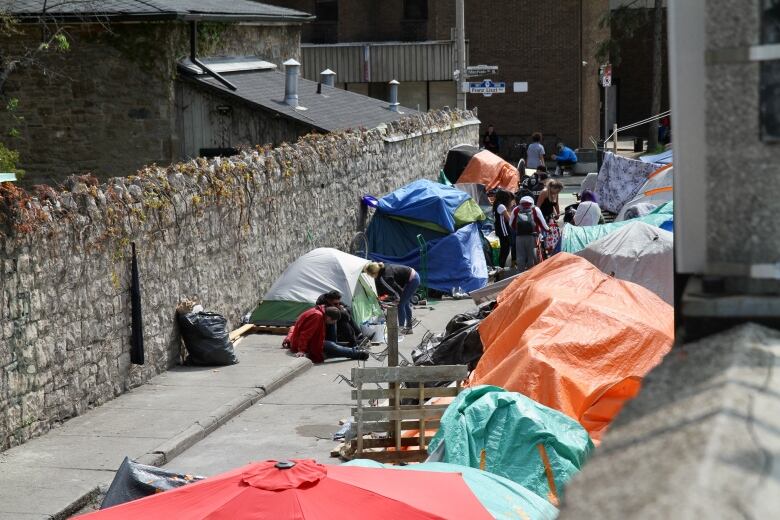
column 53, row 476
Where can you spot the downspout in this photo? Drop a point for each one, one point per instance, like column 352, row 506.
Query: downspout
column 581, row 66
column 194, row 57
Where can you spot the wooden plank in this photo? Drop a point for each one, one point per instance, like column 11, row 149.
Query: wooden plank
column 386, row 426
column 390, row 442
column 269, row 329
column 244, row 329
column 426, row 412
column 409, row 374
column 411, row 393
column 394, row 456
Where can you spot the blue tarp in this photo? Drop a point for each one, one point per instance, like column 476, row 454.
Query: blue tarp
column 455, row 260
column 661, row 158
column 390, row 237
column 426, row 201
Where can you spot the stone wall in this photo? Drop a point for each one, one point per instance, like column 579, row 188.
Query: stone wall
column 115, row 85
column 221, row 230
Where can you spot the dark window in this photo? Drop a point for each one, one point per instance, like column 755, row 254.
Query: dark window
column 415, row 9
column 770, row 73
column 327, row 10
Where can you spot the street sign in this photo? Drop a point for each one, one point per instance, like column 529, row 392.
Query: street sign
column 487, row 87
column 478, row 70
column 605, row 74
column 520, row 86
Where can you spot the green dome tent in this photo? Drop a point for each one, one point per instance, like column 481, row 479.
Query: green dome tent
column 318, row 271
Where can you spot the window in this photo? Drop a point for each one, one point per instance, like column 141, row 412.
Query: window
column 415, row 9
column 326, row 10
column 770, row 73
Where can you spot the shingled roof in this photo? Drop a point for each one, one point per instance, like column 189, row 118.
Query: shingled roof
column 332, row 110
column 134, row 10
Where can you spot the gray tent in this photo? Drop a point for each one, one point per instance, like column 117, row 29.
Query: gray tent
column 638, row 253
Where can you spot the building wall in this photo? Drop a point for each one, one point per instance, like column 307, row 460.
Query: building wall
column 741, row 168
column 107, row 105
column 220, row 230
column 633, row 76
column 204, row 123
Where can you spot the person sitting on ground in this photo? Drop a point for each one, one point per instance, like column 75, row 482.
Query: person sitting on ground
column 345, row 330
column 548, row 200
column 502, row 215
column 565, row 157
column 571, row 209
column 400, row 283
column 535, row 152
column 527, row 220
column 307, row 337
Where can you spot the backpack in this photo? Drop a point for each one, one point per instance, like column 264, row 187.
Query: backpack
column 524, row 222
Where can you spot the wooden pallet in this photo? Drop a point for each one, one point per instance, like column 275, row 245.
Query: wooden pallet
column 402, row 428
column 270, row 329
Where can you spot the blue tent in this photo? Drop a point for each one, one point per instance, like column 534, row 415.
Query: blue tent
column 447, row 219
column 665, row 157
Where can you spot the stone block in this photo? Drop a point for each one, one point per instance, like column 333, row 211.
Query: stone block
column 702, row 440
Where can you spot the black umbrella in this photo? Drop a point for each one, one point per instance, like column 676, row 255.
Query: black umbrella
column 137, row 324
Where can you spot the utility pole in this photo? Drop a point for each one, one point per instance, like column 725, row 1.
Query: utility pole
column 460, row 29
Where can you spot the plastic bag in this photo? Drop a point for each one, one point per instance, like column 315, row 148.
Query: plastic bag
column 133, row 481
column 207, row 339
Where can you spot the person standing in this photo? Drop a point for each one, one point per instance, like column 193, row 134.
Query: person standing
column 490, row 142
column 399, row 282
column 307, row 337
column 548, row 199
column 502, row 218
column 535, row 152
column 565, row 157
column 527, row 220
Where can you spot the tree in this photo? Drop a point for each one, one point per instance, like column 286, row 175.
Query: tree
column 658, row 64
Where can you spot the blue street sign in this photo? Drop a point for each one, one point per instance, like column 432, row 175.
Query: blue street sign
column 487, row 87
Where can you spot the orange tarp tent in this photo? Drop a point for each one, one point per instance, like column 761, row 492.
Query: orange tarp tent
column 574, row 339
column 491, row 170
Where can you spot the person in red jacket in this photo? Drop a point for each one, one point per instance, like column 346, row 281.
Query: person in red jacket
column 307, row 337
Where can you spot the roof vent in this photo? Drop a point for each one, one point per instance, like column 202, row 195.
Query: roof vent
column 328, row 77
column 394, row 96
column 291, row 68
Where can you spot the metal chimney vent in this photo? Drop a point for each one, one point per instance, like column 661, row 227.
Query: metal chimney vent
column 328, row 77
column 291, row 68
column 394, row 96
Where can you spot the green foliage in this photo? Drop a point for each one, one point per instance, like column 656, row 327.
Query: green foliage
column 622, row 22
column 8, row 161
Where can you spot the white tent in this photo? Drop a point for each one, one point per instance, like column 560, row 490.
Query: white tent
column 639, row 253
column 318, row 271
column 657, row 190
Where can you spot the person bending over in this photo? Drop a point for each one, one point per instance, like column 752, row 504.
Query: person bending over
column 564, row 157
column 400, row 283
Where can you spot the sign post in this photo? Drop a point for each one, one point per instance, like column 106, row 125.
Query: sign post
column 605, row 76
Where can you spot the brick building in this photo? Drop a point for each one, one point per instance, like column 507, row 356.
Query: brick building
column 549, row 45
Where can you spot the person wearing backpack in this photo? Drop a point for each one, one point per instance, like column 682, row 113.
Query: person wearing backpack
column 527, row 219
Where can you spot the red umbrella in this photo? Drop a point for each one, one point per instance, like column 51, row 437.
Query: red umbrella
column 306, row 490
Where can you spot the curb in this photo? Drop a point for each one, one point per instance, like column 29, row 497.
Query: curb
column 170, row 449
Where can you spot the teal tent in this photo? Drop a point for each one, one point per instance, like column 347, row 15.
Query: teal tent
column 516, row 434
column 576, row 238
column 500, row 496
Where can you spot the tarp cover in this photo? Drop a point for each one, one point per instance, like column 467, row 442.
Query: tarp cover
column 619, row 180
column 510, row 427
column 574, row 339
column 491, row 170
column 133, row 481
column 576, row 238
column 318, row 271
column 455, row 260
column 638, row 253
column 457, row 159
column 503, row 498
column 662, row 158
column 429, row 202
column 656, row 191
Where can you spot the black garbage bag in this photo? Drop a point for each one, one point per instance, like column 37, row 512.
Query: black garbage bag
column 462, row 347
column 133, row 481
column 207, row 339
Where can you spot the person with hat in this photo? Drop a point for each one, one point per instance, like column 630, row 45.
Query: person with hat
column 527, row 220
